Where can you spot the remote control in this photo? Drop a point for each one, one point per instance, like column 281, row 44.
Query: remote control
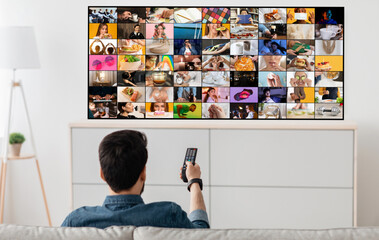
column 190, row 157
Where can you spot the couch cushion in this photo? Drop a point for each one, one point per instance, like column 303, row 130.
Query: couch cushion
column 15, row 232
column 150, row 233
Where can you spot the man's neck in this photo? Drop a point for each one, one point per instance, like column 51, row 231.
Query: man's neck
column 124, row 192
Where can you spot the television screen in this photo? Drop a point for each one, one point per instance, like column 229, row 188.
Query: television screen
column 215, row 63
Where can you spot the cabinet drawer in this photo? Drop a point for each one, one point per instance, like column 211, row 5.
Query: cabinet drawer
column 281, row 208
column 318, row 158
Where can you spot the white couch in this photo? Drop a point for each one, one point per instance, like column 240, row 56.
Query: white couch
column 14, row 232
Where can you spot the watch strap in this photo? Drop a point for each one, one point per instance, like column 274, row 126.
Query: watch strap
column 195, row 180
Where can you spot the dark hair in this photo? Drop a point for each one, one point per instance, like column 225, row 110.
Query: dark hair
column 100, row 26
column 207, row 96
column 266, row 90
column 137, row 25
column 266, row 41
column 244, row 10
column 281, row 49
column 123, row 156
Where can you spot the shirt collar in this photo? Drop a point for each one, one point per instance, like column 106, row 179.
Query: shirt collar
column 123, row 199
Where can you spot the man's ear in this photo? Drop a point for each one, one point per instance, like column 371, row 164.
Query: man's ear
column 102, row 175
column 143, row 174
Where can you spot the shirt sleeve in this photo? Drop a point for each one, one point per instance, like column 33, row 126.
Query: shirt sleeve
column 66, row 222
column 196, row 219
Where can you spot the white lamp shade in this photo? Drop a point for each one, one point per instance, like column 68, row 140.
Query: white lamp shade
column 19, row 48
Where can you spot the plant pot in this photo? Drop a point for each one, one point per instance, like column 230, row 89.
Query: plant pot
column 15, row 149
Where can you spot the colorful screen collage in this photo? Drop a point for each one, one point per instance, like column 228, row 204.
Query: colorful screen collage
column 216, row 63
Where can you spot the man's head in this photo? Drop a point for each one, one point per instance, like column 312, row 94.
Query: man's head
column 267, row 43
column 136, row 28
column 123, row 156
column 192, row 108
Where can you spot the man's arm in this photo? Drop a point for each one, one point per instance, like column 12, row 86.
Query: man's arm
column 198, row 215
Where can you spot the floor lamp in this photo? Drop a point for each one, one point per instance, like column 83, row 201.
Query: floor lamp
column 19, row 52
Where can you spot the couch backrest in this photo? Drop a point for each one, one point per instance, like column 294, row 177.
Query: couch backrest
column 151, row 233
column 15, row 232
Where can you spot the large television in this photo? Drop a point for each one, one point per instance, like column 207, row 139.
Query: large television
column 252, row 63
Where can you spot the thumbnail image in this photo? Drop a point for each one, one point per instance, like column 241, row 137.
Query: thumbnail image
column 187, row 63
column 300, row 111
column 272, row 110
column 301, row 47
column 215, row 110
column 159, row 110
column 160, row 47
column 300, row 79
column 216, row 63
column 131, row 30
column 160, row 15
column 216, row 79
column 328, row 110
column 215, row 95
column 131, row 15
column 272, row 95
column 272, row 47
column 272, row 15
column 102, row 15
column 243, row 111
column 272, row 79
column 131, row 47
column 187, row 94
column 272, row 63
column 102, row 47
column 329, row 79
column 187, row 15
column 159, row 94
column 244, row 79
column 161, row 78
column 216, row 47
column 244, row 47
column 131, row 78
column 187, row 30
column 244, row 94
column 131, row 62
column 102, row 78
column 187, row 46
column 300, row 63
column 131, row 110
column 187, row 110
column 131, row 94
column 187, row 78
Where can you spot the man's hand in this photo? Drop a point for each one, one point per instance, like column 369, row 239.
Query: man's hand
column 192, row 171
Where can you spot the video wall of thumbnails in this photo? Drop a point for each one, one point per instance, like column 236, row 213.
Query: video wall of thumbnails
column 215, row 63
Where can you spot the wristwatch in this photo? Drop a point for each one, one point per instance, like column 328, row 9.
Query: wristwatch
column 195, row 180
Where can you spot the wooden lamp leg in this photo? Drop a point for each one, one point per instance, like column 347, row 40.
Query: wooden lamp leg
column 2, row 194
column 43, row 193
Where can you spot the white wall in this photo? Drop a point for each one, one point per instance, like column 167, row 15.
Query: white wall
column 56, row 95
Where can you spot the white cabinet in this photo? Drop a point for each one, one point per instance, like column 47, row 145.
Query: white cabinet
column 291, row 174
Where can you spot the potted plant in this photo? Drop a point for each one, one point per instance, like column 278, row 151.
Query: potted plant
column 15, row 141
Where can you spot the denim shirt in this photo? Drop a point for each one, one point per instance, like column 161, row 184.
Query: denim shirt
column 123, row 210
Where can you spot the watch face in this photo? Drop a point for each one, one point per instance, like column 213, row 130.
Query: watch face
column 179, row 80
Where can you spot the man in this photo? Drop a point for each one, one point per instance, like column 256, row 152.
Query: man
column 123, row 156
column 265, row 50
column 183, row 109
column 136, row 34
column 187, row 49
